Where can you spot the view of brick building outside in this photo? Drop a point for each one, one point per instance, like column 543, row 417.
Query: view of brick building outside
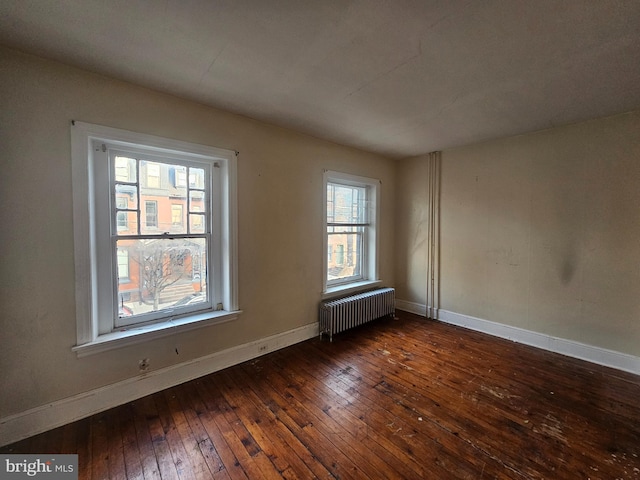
column 154, row 273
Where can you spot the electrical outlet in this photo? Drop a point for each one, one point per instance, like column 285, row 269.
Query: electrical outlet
column 143, row 364
column 263, row 348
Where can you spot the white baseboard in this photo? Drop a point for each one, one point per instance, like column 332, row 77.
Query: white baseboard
column 412, row 307
column 590, row 353
column 40, row 419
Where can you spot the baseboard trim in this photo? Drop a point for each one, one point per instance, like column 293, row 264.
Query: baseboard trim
column 411, row 307
column 589, row 353
column 40, row 419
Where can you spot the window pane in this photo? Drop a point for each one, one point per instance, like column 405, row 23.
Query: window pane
column 127, row 223
column 125, row 169
column 197, row 201
column 346, row 204
column 196, row 223
column 196, row 178
column 330, row 202
column 126, row 196
column 163, row 196
column 121, row 221
column 162, row 274
column 344, row 256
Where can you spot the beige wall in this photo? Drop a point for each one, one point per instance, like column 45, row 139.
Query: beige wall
column 280, row 224
column 540, row 231
column 412, row 230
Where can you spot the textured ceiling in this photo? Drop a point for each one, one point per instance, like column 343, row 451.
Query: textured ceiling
column 396, row 77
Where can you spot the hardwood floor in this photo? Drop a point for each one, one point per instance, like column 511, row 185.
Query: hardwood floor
column 403, row 398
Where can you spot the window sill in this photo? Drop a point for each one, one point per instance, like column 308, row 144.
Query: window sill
column 134, row 335
column 343, row 290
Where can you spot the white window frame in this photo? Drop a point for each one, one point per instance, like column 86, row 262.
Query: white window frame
column 96, row 331
column 370, row 262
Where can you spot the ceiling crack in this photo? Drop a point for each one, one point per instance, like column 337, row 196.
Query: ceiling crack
column 384, row 74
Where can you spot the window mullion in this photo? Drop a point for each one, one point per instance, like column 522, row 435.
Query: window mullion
column 338, row 224
column 164, row 236
column 188, row 185
column 116, row 274
column 139, row 202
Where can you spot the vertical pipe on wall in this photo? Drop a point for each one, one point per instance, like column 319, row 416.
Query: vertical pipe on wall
column 429, row 226
column 433, row 235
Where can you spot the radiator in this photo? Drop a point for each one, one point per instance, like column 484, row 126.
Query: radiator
column 339, row 315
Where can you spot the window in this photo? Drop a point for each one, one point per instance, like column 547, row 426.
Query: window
column 176, row 215
column 151, row 213
column 180, row 179
column 125, row 170
column 141, row 270
column 153, row 174
column 351, row 217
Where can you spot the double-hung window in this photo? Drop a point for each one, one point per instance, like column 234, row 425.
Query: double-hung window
column 152, row 255
column 351, row 216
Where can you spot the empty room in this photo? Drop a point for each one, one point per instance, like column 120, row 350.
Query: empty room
column 336, row 239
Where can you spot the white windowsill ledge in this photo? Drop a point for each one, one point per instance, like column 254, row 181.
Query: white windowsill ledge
column 137, row 334
column 343, row 290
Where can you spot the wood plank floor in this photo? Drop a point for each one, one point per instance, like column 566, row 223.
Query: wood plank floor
column 402, row 398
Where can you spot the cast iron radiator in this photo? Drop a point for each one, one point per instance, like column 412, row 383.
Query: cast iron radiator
column 344, row 313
